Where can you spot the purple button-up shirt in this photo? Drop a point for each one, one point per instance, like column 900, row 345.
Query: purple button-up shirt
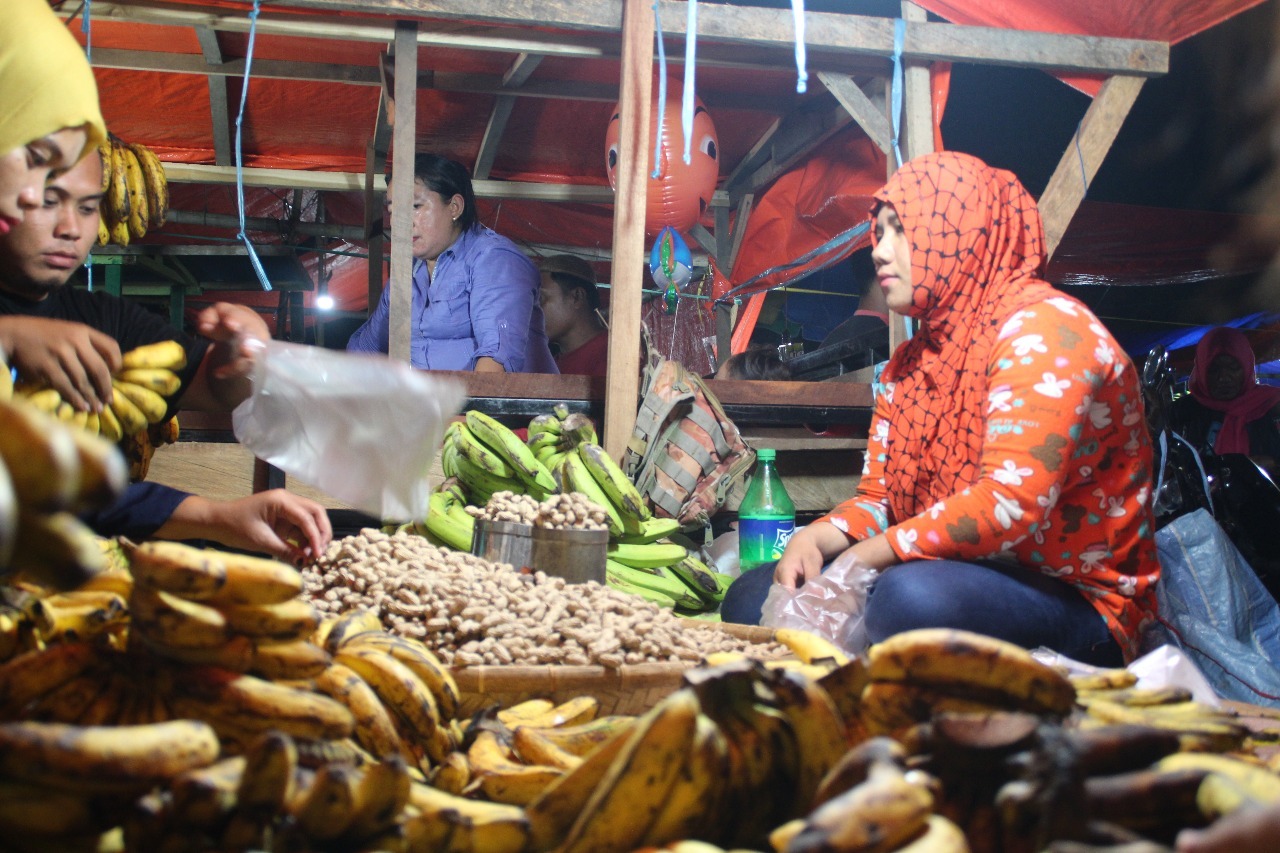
column 482, row 301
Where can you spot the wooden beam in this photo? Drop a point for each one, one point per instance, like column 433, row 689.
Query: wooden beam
column 745, row 204
column 753, row 159
column 704, row 238
column 807, row 127
column 825, row 32
column 1083, row 157
column 621, row 403
column 444, row 81
column 375, row 167
column 917, row 102
column 219, row 109
column 868, row 114
column 403, row 148
column 351, row 233
column 515, row 77
column 277, row 69
column 212, row 17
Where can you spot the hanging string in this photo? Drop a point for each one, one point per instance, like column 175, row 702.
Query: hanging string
column 662, row 91
column 1084, row 176
column 899, row 35
column 244, row 97
column 85, row 28
column 802, row 75
column 835, row 242
column 690, row 63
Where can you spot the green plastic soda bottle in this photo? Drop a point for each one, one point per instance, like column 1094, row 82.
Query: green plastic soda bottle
column 766, row 516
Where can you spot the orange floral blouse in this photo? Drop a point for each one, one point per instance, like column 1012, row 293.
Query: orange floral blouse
column 1063, row 482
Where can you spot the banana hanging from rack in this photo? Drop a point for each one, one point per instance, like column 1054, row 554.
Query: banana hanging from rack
column 156, row 183
column 135, row 191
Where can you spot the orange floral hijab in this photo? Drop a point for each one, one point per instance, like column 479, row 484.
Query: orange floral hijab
column 977, row 255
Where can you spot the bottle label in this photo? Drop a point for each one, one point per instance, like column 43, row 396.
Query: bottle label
column 762, row 540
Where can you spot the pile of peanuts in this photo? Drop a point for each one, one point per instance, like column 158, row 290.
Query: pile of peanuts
column 470, row 611
column 571, row 511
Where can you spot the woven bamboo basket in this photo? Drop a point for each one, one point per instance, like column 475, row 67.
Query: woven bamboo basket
column 628, row 689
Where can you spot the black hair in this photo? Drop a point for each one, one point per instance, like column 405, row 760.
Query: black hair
column 569, row 282
column 447, row 178
column 758, row 363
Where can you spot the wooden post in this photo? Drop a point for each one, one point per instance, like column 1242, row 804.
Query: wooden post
column 622, row 397
column 375, row 164
column 1080, row 162
column 404, row 146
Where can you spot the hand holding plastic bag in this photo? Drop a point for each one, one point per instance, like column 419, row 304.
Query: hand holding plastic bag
column 361, row 428
column 832, row 605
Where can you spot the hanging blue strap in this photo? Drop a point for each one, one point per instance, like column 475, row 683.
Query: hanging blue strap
column 836, row 242
column 802, row 74
column 244, row 97
column 662, row 91
column 85, row 28
column 690, row 67
column 899, row 35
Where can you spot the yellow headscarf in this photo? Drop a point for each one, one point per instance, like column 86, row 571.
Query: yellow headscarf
column 46, row 83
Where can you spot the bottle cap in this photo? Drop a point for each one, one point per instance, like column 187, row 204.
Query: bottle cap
column 766, row 454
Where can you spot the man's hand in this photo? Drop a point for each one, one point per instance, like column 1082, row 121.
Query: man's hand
column 72, row 358
column 275, row 522
column 222, row 380
column 809, row 550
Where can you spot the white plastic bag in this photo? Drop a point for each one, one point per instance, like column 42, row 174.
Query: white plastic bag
column 831, row 605
column 362, row 428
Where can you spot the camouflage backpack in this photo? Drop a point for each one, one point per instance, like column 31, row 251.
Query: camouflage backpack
column 684, row 454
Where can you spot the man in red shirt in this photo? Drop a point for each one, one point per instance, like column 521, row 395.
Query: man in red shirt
column 571, row 310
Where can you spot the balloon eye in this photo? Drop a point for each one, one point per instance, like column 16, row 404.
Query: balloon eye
column 708, row 147
column 613, row 156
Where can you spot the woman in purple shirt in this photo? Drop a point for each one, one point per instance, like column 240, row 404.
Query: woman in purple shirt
column 475, row 294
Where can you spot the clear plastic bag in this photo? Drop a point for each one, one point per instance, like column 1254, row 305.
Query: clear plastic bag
column 362, row 428
column 831, row 605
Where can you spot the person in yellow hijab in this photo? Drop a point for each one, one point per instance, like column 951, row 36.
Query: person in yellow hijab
column 49, row 114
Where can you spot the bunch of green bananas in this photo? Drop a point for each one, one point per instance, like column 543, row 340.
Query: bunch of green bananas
column 484, row 457
column 135, row 192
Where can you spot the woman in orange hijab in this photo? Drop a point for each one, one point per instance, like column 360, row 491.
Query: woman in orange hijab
column 1008, row 469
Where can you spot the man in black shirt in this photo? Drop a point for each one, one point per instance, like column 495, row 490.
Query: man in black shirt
column 72, row 340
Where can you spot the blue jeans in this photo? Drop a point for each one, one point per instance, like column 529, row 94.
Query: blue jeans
column 996, row 599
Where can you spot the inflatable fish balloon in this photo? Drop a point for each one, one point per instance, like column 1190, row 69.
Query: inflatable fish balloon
column 681, row 192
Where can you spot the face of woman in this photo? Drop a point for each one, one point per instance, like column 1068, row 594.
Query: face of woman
column 24, row 171
column 435, row 225
column 892, row 259
column 1226, row 378
column 558, row 310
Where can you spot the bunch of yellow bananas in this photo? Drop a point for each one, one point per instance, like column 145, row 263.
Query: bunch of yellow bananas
column 918, row 674
column 147, row 378
column 1110, row 698
column 728, row 758
column 48, row 473
column 272, row 797
column 135, row 191
column 403, row 699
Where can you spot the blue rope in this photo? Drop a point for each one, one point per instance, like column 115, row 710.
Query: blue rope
column 690, row 68
column 1084, row 176
column 841, row 239
column 802, row 75
column 899, row 35
column 85, row 28
column 662, row 91
column 244, row 97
